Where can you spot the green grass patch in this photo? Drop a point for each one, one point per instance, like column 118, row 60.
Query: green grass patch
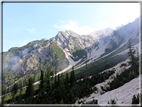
column 58, row 50
column 62, row 62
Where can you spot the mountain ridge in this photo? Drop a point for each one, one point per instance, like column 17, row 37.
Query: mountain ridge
column 56, row 51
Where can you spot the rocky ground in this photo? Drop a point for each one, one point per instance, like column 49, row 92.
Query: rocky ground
column 122, row 95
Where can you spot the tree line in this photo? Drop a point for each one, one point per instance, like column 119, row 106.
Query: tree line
column 64, row 89
column 127, row 74
column 57, row 90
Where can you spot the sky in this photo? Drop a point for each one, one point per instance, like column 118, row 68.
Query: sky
column 26, row 22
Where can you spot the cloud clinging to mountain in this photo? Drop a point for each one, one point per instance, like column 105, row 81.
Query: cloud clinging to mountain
column 74, row 26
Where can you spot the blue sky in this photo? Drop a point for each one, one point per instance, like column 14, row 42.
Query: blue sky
column 25, row 22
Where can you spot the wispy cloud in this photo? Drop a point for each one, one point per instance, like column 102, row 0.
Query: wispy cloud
column 74, row 26
column 31, row 30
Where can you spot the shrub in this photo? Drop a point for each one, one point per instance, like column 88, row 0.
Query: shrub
column 123, row 64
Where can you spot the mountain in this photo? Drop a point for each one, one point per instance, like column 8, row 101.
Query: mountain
column 29, row 57
column 69, row 49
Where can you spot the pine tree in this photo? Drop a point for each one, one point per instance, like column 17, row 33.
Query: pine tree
column 70, row 97
column 13, row 97
column 52, row 79
column 131, row 55
column 95, row 101
column 41, row 88
column 60, row 92
column 71, row 80
column 41, row 95
column 138, row 98
column 72, row 77
column 55, row 81
column 62, row 87
column 47, row 79
column 66, row 81
column 20, row 95
column 135, row 100
column 58, row 80
column 30, row 89
column 41, row 79
column 67, row 78
column 14, row 91
column 86, row 70
column 113, row 101
column 15, row 87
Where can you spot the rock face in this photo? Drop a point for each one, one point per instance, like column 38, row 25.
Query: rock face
column 43, row 53
column 40, row 54
column 123, row 34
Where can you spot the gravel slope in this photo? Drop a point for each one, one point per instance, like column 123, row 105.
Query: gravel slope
column 122, row 95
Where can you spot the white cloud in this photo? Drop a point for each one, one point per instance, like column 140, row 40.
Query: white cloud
column 73, row 25
column 32, row 30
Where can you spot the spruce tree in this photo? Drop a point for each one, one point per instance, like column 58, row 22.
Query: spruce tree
column 41, row 88
column 131, row 55
column 70, row 97
column 86, row 70
column 67, row 78
column 58, row 80
column 113, row 101
column 59, row 89
column 55, row 81
column 47, row 79
column 72, row 77
column 30, row 89
column 41, row 80
column 71, row 80
column 135, row 100
column 66, row 81
column 20, row 95
column 62, row 87
column 14, row 91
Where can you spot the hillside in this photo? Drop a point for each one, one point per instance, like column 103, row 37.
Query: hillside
column 86, row 55
column 122, row 95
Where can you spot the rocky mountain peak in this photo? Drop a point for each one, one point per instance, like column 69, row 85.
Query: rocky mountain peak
column 69, row 32
column 44, row 39
column 77, row 46
column 129, row 29
column 106, row 31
